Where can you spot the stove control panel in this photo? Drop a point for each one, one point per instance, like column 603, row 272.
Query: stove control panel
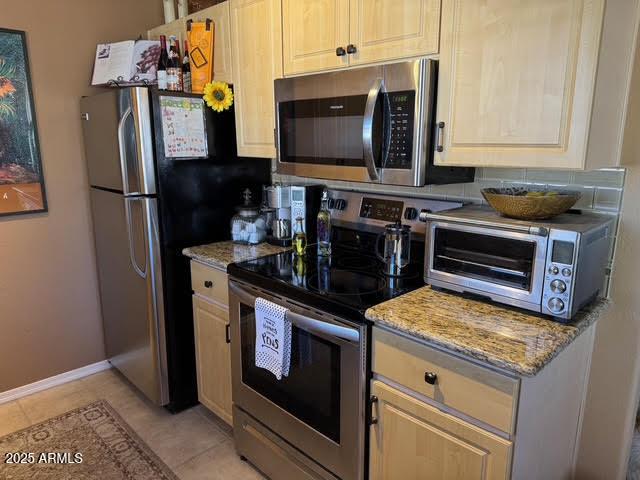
column 381, row 209
column 356, row 209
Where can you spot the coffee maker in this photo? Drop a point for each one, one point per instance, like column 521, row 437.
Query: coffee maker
column 289, row 202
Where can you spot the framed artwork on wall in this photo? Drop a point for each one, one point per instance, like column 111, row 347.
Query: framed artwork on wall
column 21, row 179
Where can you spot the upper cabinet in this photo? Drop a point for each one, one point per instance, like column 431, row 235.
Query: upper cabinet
column 312, row 31
column 526, row 84
column 219, row 14
column 329, row 34
column 256, row 40
column 390, row 29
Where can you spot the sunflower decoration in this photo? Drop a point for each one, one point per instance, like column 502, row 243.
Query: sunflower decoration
column 218, row 96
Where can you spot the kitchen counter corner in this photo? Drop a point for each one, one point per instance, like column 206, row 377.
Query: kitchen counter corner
column 511, row 339
column 221, row 254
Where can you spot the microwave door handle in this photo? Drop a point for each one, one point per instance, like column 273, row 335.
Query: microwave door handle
column 305, row 323
column 367, row 128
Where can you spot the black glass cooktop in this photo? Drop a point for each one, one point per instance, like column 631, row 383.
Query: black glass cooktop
column 347, row 283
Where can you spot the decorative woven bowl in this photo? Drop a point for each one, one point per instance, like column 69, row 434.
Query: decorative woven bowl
column 529, row 204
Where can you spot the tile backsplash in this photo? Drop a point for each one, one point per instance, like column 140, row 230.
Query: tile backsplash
column 601, row 189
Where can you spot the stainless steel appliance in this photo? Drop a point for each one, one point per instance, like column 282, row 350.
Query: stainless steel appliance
column 146, row 209
column 554, row 267
column 279, row 198
column 396, row 251
column 372, row 124
column 312, row 424
column 292, row 202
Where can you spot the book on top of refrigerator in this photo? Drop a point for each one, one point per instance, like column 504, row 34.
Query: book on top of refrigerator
column 127, row 63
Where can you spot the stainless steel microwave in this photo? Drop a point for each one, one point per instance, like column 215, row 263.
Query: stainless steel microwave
column 554, row 267
column 371, row 124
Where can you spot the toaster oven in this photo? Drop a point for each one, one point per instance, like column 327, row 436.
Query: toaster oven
column 554, row 267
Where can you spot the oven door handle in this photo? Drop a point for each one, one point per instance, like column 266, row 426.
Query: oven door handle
column 367, row 128
column 303, row 322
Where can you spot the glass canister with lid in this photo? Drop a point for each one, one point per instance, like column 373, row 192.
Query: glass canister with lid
column 248, row 225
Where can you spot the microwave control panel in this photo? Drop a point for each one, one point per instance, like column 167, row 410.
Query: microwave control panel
column 402, row 106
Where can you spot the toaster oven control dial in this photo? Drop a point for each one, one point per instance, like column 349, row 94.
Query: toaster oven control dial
column 556, row 305
column 553, row 270
column 566, row 272
column 558, row 286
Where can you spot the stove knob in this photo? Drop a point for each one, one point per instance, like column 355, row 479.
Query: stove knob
column 558, row 286
column 340, row 204
column 556, row 305
column 423, row 214
column 410, row 213
column 332, row 203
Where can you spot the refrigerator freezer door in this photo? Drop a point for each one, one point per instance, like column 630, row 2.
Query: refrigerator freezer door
column 128, row 254
column 119, row 142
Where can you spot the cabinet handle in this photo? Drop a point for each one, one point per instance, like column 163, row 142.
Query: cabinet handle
column 431, row 378
column 351, row 48
column 440, row 143
column 227, row 333
column 373, row 420
column 340, row 52
column 208, row 284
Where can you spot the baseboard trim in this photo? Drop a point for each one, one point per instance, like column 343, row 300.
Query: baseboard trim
column 56, row 380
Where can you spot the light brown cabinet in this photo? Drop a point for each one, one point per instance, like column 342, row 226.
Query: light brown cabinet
column 219, row 14
column 213, row 357
column 312, row 31
column 330, row 34
column 413, row 441
column 438, row 415
column 530, row 84
column 212, row 339
column 257, row 61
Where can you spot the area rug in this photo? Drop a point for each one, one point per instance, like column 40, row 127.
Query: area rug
column 88, row 443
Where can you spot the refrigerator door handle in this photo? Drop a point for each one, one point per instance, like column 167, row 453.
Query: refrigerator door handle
column 124, row 166
column 132, row 257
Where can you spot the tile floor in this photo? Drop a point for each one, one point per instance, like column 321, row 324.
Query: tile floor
column 195, row 444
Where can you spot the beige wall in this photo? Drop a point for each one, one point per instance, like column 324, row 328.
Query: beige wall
column 49, row 309
column 612, row 397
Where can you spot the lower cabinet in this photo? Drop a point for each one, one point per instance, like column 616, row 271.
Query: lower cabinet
column 213, row 356
column 412, row 440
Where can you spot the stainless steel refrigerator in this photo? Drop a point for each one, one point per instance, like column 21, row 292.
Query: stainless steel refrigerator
column 146, row 208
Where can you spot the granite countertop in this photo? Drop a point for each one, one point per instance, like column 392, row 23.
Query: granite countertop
column 507, row 338
column 222, row 254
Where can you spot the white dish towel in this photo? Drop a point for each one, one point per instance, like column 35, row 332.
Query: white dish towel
column 273, row 338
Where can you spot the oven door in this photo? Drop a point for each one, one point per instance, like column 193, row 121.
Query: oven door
column 319, row 406
column 367, row 125
column 506, row 266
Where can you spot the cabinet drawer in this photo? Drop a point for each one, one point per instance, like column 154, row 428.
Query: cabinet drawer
column 210, row 283
column 473, row 390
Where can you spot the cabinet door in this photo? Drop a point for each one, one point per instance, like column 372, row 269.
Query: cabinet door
column 389, row 29
column 516, row 82
column 257, row 61
column 213, row 357
column 222, row 68
column 415, row 441
column 312, row 30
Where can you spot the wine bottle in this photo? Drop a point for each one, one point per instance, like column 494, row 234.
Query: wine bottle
column 174, row 67
column 162, row 64
column 186, row 69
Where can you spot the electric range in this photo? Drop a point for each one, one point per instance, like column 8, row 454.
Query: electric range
column 314, row 418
